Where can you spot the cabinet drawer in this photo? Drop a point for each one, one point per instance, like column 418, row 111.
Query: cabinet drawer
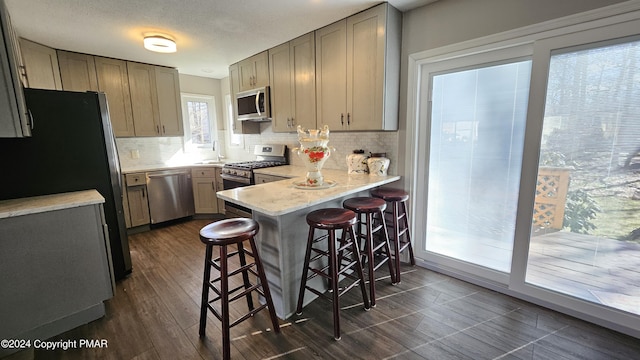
column 203, row 172
column 135, row 179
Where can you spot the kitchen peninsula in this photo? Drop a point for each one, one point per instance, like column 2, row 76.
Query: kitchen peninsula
column 280, row 208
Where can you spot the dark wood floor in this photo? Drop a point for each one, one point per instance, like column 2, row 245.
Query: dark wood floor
column 154, row 315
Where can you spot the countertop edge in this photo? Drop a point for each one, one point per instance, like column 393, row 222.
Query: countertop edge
column 256, row 207
column 44, row 203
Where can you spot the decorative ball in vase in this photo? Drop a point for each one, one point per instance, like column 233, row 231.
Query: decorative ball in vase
column 314, row 152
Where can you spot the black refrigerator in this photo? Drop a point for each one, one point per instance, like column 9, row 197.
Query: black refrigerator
column 72, row 148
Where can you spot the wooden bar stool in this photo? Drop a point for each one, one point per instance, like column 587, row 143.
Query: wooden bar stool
column 332, row 219
column 222, row 234
column 366, row 208
column 399, row 224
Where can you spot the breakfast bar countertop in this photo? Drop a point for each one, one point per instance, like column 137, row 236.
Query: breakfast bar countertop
column 282, row 197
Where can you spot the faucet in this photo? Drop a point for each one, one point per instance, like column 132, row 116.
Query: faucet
column 214, row 146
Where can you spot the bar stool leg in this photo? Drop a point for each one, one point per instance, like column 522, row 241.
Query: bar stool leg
column 224, row 294
column 305, row 271
column 356, row 252
column 265, row 286
column 406, row 226
column 396, row 241
column 205, row 290
column 387, row 247
column 370, row 260
column 245, row 273
column 333, row 270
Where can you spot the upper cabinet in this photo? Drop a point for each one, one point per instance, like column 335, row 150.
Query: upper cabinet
column 169, row 104
column 239, row 127
column 114, row 82
column 358, row 71
column 293, row 85
column 144, row 100
column 14, row 119
column 41, row 65
column 77, row 71
column 254, row 72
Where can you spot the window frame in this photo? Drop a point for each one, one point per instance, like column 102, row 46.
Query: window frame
column 213, row 121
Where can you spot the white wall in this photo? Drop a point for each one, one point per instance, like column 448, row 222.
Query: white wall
column 449, row 22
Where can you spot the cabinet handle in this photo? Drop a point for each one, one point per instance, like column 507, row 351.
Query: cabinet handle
column 342, row 119
column 348, row 118
column 293, row 122
column 143, row 193
column 163, row 130
column 157, row 129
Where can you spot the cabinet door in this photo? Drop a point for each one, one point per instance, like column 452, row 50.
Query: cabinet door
column 281, row 80
column 138, row 205
column 77, row 71
column 144, row 100
column 331, row 75
column 261, row 66
column 113, row 81
column 303, row 81
column 365, row 65
column 204, row 196
column 41, row 64
column 239, row 127
column 254, row 71
column 219, row 187
column 169, row 105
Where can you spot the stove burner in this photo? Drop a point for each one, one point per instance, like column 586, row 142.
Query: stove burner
column 249, row 165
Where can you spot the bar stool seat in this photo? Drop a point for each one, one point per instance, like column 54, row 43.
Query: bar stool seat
column 332, row 219
column 222, row 234
column 370, row 214
column 399, row 223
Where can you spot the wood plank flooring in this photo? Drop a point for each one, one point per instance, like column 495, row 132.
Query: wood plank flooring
column 154, row 315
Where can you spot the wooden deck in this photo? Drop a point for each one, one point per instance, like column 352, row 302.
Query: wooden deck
column 593, row 268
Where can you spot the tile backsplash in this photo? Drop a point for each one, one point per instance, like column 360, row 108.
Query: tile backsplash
column 168, row 150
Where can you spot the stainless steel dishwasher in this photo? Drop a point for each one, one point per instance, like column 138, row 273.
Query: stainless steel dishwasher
column 170, row 195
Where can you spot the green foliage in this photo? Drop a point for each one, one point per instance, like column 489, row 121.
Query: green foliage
column 580, row 209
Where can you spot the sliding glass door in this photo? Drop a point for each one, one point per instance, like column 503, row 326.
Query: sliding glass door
column 526, row 170
column 585, row 241
column 478, row 119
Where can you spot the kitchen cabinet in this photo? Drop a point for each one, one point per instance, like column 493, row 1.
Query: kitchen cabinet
column 155, row 100
column 14, row 119
column 41, row 66
column 55, row 264
column 264, row 178
column 137, row 199
column 254, row 71
column 239, row 127
column 219, row 187
column 169, row 104
column 114, row 82
column 358, row 71
column 293, row 86
column 77, row 71
column 144, row 99
column 204, row 190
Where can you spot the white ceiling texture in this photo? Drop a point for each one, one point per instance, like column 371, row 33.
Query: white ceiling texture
column 210, row 34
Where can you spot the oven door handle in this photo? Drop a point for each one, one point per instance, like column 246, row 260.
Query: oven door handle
column 236, row 179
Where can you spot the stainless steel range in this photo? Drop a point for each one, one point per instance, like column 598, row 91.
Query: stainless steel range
column 241, row 174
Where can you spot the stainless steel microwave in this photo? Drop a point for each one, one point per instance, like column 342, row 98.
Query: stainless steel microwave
column 254, row 105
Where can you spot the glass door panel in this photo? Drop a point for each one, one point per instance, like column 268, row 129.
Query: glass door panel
column 585, row 240
column 476, row 140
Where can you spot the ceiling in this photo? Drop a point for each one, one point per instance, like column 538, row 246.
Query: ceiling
column 210, row 34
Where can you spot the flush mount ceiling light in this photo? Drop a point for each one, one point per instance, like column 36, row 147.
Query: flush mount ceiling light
column 159, row 43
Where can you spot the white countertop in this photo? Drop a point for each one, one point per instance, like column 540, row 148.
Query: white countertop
column 163, row 166
column 282, row 197
column 39, row 204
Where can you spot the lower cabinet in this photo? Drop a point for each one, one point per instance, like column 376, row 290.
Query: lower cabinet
column 137, row 199
column 204, row 190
